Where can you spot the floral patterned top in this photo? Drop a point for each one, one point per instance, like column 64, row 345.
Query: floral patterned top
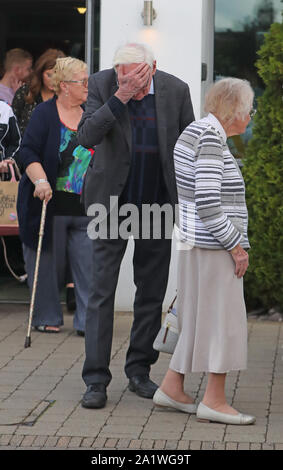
column 74, row 160
column 22, row 109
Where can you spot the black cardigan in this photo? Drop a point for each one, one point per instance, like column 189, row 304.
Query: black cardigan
column 41, row 143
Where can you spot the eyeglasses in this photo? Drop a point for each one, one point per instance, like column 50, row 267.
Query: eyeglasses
column 83, row 82
column 252, row 113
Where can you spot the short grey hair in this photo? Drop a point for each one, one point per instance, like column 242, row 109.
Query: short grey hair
column 133, row 53
column 229, row 98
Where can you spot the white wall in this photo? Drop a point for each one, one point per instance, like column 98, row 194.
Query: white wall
column 175, row 36
column 176, row 39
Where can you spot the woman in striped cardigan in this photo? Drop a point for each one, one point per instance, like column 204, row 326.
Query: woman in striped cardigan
column 213, row 240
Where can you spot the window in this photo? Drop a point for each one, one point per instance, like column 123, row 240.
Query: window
column 239, row 32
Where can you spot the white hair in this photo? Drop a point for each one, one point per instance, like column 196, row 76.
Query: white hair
column 229, row 98
column 133, row 53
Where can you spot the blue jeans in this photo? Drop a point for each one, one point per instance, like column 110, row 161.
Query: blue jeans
column 69, row 237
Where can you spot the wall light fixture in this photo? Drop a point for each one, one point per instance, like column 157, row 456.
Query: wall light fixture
column 148, row 13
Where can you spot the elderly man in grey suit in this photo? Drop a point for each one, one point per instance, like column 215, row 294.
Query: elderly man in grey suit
column 134, row 116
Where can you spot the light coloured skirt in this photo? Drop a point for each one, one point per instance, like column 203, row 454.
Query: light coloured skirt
column 211, row 314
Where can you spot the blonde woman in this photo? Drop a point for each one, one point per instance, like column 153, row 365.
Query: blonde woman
column 55, row 165
column 213, row 256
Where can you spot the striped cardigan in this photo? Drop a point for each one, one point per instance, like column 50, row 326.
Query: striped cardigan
column 211, row 189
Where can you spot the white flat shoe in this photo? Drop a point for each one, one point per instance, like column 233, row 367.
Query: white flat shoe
column 162, row 400
column 206, row 414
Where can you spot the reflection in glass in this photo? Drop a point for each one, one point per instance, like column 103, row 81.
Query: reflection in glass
column 235, row 15
column 239, row 32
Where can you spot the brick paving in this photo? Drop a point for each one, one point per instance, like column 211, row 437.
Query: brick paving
column 41, row 389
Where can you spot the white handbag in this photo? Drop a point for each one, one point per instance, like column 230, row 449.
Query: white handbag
column 168, row 334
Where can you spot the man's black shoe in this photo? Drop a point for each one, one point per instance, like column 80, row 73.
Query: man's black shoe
column 142, row 386
column 95, row 396
column 80, row 333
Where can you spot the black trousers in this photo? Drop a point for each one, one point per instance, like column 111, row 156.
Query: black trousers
column 151, row 267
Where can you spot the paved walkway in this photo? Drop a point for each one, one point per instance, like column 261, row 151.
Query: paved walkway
column 41, row 389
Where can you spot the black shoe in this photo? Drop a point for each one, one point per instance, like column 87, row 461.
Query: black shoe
column 142, row 386
column 95, row 396
column 80, row 333
column 70, row 299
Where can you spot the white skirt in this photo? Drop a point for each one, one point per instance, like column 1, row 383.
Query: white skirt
column 211, row 314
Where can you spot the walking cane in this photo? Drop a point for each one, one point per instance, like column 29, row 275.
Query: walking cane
column 41, row 233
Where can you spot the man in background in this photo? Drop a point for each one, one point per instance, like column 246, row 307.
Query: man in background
column 17, row 69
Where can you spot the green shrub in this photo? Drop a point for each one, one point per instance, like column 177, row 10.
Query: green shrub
column 263, row 173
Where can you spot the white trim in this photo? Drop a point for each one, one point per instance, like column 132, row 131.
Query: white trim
column 211, row 119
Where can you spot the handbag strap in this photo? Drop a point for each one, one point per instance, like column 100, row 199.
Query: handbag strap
column 13, row 179
column 17, row 170
column 172, row 303
column 12, row 167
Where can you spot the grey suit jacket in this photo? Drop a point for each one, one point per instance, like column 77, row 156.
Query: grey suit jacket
column 112, row 138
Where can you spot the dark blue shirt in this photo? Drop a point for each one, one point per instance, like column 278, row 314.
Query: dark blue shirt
column 145, row 183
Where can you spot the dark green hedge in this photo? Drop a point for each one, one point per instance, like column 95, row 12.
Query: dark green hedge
column 263, row 173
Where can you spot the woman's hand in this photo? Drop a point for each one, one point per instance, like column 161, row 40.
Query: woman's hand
column 4, row 165
column 43, row 191
column 241, row 259
column 38, row 177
